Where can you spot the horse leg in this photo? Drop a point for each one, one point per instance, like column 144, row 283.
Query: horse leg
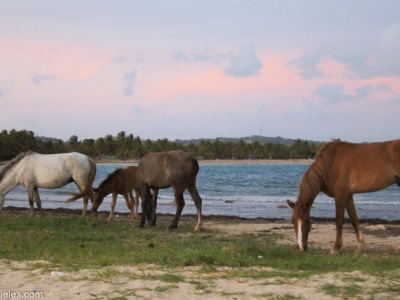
column 340, row 208
column 135, row 203
column 128, row 197
column 143, row 193
column 31, row 201
column 37, row 200
column 197, row 201
column 351, row 210
column 152, row 216
column 85, row 200
column 180, row 203
column 113, row 202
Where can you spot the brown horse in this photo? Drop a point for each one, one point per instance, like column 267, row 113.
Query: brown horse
column 340, row 170
column 163, row 170
column 123, row 182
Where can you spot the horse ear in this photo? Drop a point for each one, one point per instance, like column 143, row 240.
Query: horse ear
column 290, row 203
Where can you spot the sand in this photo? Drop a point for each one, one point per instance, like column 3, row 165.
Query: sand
column 138, row 282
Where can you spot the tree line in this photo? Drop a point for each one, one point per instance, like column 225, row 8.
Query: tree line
column 127, row 146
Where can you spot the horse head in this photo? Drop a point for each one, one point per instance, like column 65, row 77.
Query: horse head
column 301, row 221
column 97, row 199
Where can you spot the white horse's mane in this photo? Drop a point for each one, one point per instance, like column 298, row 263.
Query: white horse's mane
column 13, row 162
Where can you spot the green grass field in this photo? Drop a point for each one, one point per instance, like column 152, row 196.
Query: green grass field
column 75, row 242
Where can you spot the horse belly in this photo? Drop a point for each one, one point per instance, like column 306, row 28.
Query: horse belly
column 52, row 180
column 371, row 182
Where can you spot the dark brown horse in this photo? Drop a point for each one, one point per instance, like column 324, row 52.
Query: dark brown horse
column 340, row 170
column 123, row 182
column 175, row 169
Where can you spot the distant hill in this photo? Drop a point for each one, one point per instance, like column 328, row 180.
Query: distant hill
column 249, row 139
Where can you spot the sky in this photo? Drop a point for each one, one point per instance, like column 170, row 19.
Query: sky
column 310, row 69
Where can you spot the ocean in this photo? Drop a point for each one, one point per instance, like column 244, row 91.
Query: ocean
column 252, row 190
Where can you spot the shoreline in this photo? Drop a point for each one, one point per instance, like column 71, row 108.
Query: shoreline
column 125, row 216
column 209, row 161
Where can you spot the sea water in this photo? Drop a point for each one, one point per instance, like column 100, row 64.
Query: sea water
column 252, row 190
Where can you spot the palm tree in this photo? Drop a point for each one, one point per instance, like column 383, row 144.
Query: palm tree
column 73, row 143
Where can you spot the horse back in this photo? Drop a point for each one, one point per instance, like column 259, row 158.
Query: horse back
column 53, row 170
column 128, row 178
column 165, row 169
column 362, row 167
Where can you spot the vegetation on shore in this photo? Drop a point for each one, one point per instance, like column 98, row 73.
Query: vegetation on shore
column 127, row 146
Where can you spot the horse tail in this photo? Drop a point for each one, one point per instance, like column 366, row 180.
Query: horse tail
column 88, row 187
column 190, row 178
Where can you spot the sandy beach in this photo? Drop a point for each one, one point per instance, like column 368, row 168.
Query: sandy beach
column 137, row 282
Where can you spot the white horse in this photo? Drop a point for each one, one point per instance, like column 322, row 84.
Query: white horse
column 50, row 171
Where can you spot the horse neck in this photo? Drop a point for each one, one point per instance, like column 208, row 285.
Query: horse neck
column 107, row 187
column 308, row 190
column 8, row 182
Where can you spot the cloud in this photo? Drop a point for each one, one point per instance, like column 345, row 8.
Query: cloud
column 180, row 55
column 307, row 65
column 119, row 59
column 380, row 60
column 200, row 54
column 129, row 81
column 2, row 92
column 137, row 109
column 334, row 93
column 383, row 87
column 39, row 78
column 245, row 63
column 387, row 56
column 395, row 100
column 354, row 57
column 331, row 93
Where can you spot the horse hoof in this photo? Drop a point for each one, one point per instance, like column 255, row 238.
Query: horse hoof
column 334, row 252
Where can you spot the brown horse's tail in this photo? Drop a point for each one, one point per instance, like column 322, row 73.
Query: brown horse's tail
column 190, row 178
column 87, row 189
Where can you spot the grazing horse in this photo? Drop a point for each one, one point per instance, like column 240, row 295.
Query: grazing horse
column 163, row 170
column 123, row 182
column 50, row 171
column 340, row 170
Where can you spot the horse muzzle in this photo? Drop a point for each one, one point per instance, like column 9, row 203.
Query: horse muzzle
column 302, row 247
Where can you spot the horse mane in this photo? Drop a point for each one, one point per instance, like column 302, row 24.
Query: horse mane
column 313, row 181
column 13, row 162
column 109, row 178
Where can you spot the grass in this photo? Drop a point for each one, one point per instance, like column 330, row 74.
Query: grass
column 74, row 243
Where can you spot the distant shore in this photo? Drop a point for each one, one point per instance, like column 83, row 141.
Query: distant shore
column 211, row 161
column 219, row 161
